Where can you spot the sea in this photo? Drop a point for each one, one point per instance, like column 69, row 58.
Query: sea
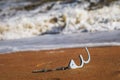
column 45, row 23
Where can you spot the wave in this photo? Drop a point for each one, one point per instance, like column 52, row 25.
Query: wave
column 55, row 17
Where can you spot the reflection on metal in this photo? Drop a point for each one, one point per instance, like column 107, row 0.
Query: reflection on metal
column 71, row 65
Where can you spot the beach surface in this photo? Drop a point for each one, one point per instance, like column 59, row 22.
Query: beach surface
column 104, row 64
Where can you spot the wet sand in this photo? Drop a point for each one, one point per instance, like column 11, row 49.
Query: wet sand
column 104, row 64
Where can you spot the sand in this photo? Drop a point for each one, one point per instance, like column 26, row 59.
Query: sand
column 104, row 64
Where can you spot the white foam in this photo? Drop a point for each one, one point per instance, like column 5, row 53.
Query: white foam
column 64, row 18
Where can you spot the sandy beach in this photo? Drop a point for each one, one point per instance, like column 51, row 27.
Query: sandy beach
column 47, row 34
column 104, row 64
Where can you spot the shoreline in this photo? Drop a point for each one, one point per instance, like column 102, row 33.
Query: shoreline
column 47, row 42
column 52, row 49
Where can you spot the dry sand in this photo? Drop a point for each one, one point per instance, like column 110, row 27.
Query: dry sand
column 104, row 64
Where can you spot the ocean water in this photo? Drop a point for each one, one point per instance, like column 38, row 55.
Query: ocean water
column 29, row 18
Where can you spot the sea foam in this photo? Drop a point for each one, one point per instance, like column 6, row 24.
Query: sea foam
column 63, row 18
